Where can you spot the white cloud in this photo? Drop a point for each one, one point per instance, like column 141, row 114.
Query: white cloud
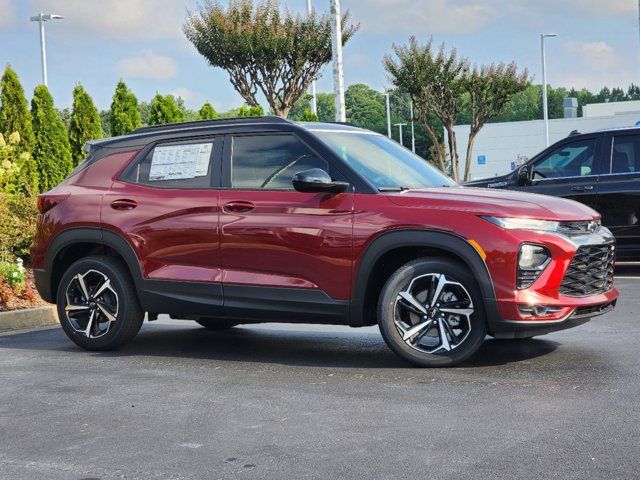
column 148, row 65
column 126, row 20
column 190, row 97
column 427, row 16
column 595, row 55
column 7, row 13
column 576, row 8
column 593, row 65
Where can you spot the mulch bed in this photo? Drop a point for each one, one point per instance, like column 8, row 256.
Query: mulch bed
column 18, row 303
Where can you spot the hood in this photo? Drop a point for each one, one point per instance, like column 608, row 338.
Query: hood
column 492, row 182
column 499, row 203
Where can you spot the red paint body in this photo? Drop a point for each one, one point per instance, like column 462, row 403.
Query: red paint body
column 304, row 240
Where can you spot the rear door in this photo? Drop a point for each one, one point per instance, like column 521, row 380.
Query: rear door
column 165, row 204
column 571, row 171
column 619, row 191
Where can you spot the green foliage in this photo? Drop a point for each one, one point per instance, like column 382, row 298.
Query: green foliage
column 18, row 218
column 207, row 112
column 125, row 116
column 14, row 110
column 164, row 110
column 51, row 152
column 12, row 273
column 254, row 111
column 264, row 48
column 84, row 125
column 18, row 170
column 309, row 116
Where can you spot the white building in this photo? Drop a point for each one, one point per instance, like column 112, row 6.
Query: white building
column 499, row 147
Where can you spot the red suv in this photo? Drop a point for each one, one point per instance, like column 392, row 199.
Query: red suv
column 243, row 221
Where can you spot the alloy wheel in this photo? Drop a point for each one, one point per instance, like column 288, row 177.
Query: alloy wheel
column 433, row 313
column 91, row 304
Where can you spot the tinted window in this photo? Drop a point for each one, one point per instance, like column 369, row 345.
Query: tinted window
column 625, row 155
column 572, row 160
column 270, row 161
column 182, row 165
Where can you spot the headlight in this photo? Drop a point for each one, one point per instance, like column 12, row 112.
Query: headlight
column 525, row 224
column 532, row 260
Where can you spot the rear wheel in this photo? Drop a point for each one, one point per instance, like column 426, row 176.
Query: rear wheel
column 98, row 305
column 431, row 313
column 216, row 324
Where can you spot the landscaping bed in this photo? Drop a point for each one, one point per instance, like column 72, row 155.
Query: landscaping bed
column 20, row 298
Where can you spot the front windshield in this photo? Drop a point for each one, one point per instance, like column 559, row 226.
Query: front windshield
column 384, row 162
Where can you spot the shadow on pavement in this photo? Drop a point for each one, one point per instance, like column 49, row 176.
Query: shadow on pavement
column 340, row 349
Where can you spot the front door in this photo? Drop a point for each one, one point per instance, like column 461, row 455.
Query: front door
column 569, row 171
column 165, row 206
column 619, row 193
column 284, row 253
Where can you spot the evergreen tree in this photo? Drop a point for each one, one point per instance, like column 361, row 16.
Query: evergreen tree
column 84, row 125
column 207, row 112
column 14, row 110
column 125, row 115
column 51, row 151
column 164, row 110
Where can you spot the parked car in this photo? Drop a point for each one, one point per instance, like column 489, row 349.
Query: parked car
column 600, row 169
column 242, row 221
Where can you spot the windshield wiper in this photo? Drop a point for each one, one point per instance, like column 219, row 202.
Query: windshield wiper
column 393, row 189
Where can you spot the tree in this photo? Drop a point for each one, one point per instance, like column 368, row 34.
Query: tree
column 435, row 82
column 262, row 49
column 14, row 110
column 490, row 88
column 125, row 116
column 207, row 112
column 18, row 171
column 85, row 123
column 164, row 110
column 254, row 111
column 51, row 151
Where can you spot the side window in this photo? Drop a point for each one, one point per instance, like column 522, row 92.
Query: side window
column 175, row 165
column 572, row 160
column 625, row 154
column 269, row 162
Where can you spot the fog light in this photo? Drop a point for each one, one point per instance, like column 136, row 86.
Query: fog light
column 532, row 260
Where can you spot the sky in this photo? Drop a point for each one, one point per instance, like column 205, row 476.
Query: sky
column 141, row 41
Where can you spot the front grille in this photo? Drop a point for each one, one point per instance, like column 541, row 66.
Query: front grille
column 584, row 312
column 583, row 227
column 590, row 271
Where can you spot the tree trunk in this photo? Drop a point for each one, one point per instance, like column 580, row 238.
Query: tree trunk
column 453, row 152
column 436, row 143
column 467, row 165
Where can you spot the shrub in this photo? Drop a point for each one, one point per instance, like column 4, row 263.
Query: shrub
column 12, row 274
column 6, row 293
column 18, row 218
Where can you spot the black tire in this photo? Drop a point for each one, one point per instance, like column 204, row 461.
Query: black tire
column 475, row 323
column 128, row 312
column 211, row 323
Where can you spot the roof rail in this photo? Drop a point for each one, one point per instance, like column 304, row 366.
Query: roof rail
column 209, row 123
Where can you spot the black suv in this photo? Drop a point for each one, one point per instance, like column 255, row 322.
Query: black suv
column 600, row 169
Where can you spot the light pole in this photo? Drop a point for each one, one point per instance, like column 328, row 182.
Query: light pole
column 336, row 47
column 388, row 115
column 400, row 125
column 413, row 128
column 545, row 105
column 41, row 17
column 314, row 95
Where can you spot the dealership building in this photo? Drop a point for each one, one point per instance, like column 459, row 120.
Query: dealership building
column 500, row 147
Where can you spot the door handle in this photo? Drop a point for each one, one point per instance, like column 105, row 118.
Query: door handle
column 582, row 188
column 239, row 206
column 123, row 204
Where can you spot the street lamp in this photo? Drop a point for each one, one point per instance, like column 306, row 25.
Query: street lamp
column 41, row 17
column 314, row 95
column 545, row 106
column 413, row 127
column 336, row 47
column 388, row 114
column 400, row 125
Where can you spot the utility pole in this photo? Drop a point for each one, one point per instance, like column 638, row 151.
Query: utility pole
column 41, row 18
column 400, row 125
column 388, row 115
column 545, row 103
column 314, row 95
column 338, row 77
column 413, row 127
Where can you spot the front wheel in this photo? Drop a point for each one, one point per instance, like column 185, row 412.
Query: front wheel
column 431, row 313
column 98, row 305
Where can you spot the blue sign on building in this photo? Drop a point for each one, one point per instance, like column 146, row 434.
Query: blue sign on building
column 513, row 165
column 482, row 160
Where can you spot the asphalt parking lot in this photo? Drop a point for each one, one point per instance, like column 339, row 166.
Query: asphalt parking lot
column 291, row 402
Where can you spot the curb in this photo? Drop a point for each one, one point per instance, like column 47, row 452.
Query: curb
column 28, row 318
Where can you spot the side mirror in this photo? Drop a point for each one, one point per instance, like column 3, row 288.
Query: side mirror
column 523, row 176
column 317, row 180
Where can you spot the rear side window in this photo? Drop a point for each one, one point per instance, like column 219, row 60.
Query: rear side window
column 625, row 154
column 269, row 162
column 175, row 165
column 571, row 160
